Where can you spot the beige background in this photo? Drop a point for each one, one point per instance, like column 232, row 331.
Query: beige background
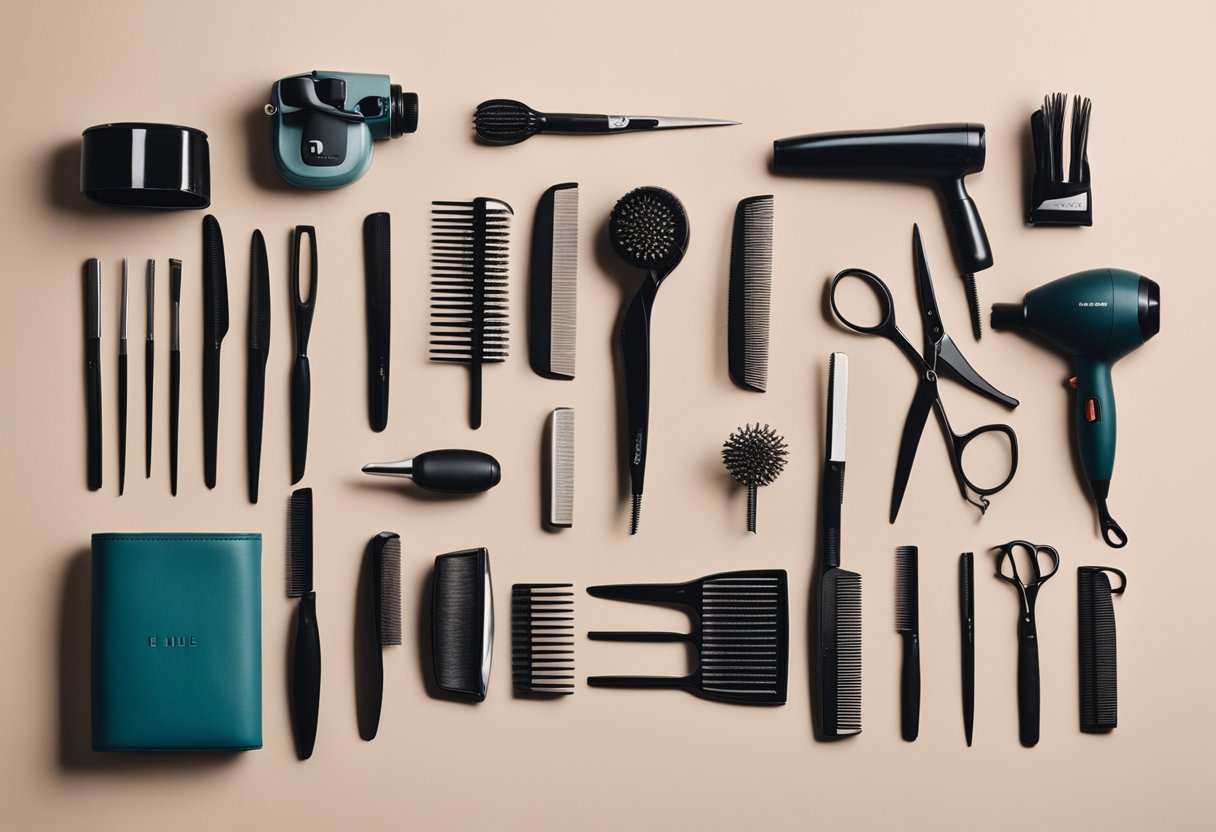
column 608, row 759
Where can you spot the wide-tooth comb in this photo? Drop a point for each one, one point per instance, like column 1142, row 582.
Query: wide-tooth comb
column 377, row 264
column 553, row 287
column 560, row 512
column 748, row 299
column 907, row 624
column 462, row 622
column 1098, row 660
column 740, row 630
column 469, row 287
column 542, row 639
column 299, row 549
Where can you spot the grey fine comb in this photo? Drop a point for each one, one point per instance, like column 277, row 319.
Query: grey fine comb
column 559, row 507
column 553, row 285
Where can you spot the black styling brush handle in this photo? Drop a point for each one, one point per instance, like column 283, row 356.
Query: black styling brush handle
column 306, row 676
column 378, row 277
column 456, row 471
column 967, row 230
column 93, row 399
column 635, row 352
column 301, row 382
column 663, row 682
column 122, row 417
column 909, row 689
column 1028, row 682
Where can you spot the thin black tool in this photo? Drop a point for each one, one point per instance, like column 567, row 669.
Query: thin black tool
column 469, row 288
column 448, row 471
column 149, row 364
column 749, row 293
column 740, row 632
column 939, row 355
column 380, row 626
column 836, row 661
column 306, row 650
column 907, row 624
column 505, row 121
column 378, row 273
column 92, row 369
column 1098, row 665
column 259, row 352
column 966, row 608
column 1028, row 635
column 542, row 640
column 122, row 384
column 215, row 327
column 175, row 365
column 553, row 283
column 648, row 229
column 301, row 380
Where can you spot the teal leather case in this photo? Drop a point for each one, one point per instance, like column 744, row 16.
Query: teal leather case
column 177, row 642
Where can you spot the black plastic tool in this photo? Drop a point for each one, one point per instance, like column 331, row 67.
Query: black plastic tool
column 301, row 380
column 92, row 369
column 1060, row 197
column 122, row 384
column 1028, row 634
column 553, row 283
column 451, row 471
column 462, row 623
column 740, row 633
column 259, row 353
column 749, row 293
column 215, row 327
column 907, row 624
column 542, row 639
column 378, row 274
column 379, row 626
column 175, row 366
column 149, row 365
column 966, row 608
column 306, row 650
column 506, row 121
column 1098, row 665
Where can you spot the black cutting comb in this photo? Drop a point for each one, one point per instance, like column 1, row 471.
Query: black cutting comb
column 740, row 631
column 462, row 622
column 1098, row 666
column 542, row 639
column 380, row 626
column 751, row 278
column 553, row 283
column 469, row 287
column 907, row 624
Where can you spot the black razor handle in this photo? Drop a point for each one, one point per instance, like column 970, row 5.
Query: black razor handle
column 93, row 403
column 456, row 471
column 1028, row 682
column 306, row 676
column 909, row 689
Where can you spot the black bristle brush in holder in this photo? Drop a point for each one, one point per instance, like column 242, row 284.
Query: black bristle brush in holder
column 754, row 456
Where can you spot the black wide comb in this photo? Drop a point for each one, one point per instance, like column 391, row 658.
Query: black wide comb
column 462, row 623
column 542, row 639
column 1098, row 666
column 740, row 630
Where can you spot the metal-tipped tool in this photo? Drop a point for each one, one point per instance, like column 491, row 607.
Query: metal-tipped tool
column 122, row 385
column 449, row 471
column 149, row 365
column 506, row 121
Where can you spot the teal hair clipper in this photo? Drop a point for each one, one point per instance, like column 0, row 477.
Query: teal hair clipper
column 323, row 124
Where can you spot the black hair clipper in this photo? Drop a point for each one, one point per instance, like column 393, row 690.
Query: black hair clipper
column 1058, row 197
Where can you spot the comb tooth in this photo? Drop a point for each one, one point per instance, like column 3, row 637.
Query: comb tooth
column 564, row 312
column 299, row 548
column 843, row 711
column 561, row 468
column 907, row 607
column 389, row 598
column 1098, row 665
column 542, row 639
column 749, row 297
column 741, row 636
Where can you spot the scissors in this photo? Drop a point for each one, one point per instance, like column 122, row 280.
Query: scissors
column 940, row 353
column 1028, row 637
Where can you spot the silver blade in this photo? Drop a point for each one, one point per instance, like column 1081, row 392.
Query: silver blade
column 668, row 122
column 838, row 405
column 404, row 468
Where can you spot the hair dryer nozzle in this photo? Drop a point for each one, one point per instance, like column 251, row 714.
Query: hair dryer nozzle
column 1008, row 316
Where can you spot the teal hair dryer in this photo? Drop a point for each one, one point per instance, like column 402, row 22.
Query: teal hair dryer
column 1097, row 317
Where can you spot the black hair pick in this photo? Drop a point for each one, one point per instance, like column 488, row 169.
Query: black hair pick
column 754, row 456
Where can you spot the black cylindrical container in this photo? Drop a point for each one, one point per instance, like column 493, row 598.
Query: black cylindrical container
column 138, row 165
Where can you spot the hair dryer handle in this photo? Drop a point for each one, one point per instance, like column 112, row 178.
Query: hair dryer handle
column 1095, row 425
column 966, row 228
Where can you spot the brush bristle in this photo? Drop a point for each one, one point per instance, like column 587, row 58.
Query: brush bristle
column 749, row 294
column 561, row 506
column 469, row 285
column 648, row 228
column 564, row 311
column 907, row 605
column 299, row 543
column 388, row 597
column 503, row 121
column 542, row 639
column 754, row 455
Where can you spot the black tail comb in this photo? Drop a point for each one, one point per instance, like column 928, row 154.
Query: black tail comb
column 907, row 624
column 462, row 623
column 748, row 299
column 1096, row 627
column 542, row 639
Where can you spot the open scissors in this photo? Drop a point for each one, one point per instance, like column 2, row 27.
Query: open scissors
column 940, row 352
column 1028, row 636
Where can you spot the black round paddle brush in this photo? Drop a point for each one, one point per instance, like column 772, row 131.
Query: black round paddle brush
column 754, row 456
column 648, row 228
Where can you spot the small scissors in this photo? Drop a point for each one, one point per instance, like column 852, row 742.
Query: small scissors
column 1028, row 636
column 940, row 352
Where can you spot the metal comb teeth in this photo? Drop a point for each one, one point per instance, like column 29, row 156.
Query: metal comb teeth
column 907, row 605
column 542, row 639
column 848, row 653
column 388, row 598
column 299, row 547
column 749, row 295
column 564, row 313
column 561, row 471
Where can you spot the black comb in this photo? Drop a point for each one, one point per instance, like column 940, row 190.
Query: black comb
column 215, row 327
column 751, row 278
column 966, row 608
column 462, row 622
column 553, row 283
column 306, row 654
column 469, row 287
column 377, row 264
column 1098, row 666
column 379, row 626
column 542, row 639
column 907, row 624
column 259, row 353
column 740, row 630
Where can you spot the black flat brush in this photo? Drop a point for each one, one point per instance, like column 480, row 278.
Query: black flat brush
column 469, row 288
column 754, row 456
column 907, row 624
column 749, row 293
column 506, row 121
column 648, row 229
column 306, row 651
column 380, row 627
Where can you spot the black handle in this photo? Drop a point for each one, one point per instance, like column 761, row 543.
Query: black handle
column 1028, row 684
column 301, row 393
column 211, row 412
column 831, row 496
column 255, row 400
column 456, row 471
column 909, row 689
column 93, row 403
column 306, row 676
column 149, row 362
column 378, row 279
column 570, row 123
column 122, row 421
column 635, row 353
column 175, row 393
column 966, row 229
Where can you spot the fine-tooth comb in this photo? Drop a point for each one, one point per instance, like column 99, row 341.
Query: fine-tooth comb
column 215, row 327
column 907, row 624
column 380, row 626
column 542, row 639
column 751, row 277
column 1098, row 665
column 553, row 287
column 462, row 623
column 560, row 505
column 306, row 654
column 740, row 630
column 469, row 287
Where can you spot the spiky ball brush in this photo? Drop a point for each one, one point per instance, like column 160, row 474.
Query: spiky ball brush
column 754, row 456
